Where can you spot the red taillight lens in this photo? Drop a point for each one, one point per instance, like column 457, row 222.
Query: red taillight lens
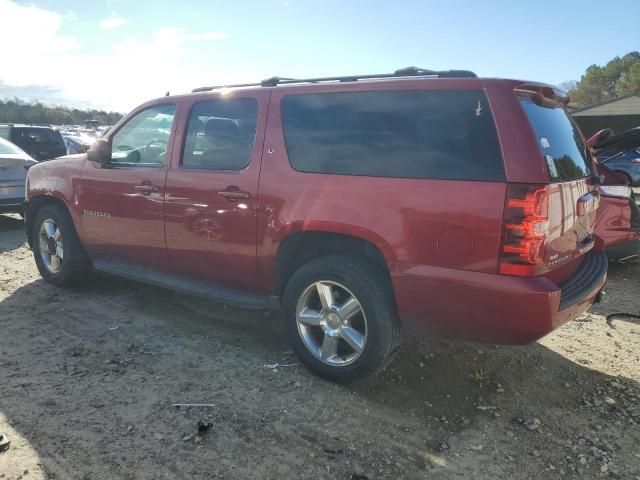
column 525, row 229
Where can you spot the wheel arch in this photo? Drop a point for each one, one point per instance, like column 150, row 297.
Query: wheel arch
column 35, row 204
column 303, row 245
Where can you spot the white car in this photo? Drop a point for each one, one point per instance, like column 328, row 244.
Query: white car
column 14, row 164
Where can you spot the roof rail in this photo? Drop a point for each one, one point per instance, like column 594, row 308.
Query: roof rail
column 403, row 72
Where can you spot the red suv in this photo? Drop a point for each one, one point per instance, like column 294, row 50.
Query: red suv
column 360, row 205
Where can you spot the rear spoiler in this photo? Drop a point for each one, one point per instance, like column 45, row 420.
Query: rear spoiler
column 544, row 94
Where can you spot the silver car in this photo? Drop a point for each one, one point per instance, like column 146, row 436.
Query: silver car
column 14, row 164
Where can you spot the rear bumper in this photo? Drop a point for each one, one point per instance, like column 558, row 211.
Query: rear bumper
column 494, row 308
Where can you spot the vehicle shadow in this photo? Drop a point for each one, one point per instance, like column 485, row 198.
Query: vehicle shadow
column 11, row 232
column 77, row 369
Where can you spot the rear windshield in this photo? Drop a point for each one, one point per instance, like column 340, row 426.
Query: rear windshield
column 407, row 134
column 43, row 136
column 559, row 140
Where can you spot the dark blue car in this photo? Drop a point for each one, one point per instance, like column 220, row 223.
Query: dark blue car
column 627, row 163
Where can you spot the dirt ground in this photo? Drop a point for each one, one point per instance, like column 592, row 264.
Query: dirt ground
column 88, row 379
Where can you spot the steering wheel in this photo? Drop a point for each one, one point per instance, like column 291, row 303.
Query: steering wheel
column 156, row 141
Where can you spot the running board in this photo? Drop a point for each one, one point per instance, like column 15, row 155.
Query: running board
column 183, row 284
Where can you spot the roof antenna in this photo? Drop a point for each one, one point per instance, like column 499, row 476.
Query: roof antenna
column 166, row 94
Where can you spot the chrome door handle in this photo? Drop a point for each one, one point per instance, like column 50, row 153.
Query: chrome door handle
column 233, row 194
column 146, row 188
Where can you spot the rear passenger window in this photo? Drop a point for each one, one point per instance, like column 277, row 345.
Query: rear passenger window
column 220, row 134
column 411, row 134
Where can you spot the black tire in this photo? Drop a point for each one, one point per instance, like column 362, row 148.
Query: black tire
column 373, row 291
column 75, row 265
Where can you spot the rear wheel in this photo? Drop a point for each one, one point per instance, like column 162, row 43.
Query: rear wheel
column 341, row 318
column 58, row 253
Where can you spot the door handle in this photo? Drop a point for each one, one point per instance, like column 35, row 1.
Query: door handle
column 146, row 188
column 233, row 194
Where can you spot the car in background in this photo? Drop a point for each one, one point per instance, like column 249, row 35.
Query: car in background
column 618, row 221
column 14, row 164
column 627, row 163
column 75, row 144
column 41, row 143
column 620, row 153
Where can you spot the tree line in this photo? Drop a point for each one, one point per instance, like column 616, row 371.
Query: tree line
column 620, row 76
column 18, row 111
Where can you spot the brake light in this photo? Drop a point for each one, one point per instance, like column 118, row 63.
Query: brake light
column 525, row 229
column 544, row 93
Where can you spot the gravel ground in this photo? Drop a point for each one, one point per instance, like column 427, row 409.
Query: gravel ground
column 88, row 379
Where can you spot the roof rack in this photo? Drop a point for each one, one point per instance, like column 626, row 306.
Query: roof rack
column 403, row 72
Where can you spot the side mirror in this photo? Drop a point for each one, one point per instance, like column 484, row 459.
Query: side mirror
column 100, row 152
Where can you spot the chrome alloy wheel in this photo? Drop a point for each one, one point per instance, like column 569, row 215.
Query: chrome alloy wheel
column 331, row 323
column 51, row 247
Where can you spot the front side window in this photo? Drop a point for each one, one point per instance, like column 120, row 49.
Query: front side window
column 220, row 134
column 144, row 139
column 408, row 134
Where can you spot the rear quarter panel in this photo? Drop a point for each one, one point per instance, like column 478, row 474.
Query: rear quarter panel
column 445, row 223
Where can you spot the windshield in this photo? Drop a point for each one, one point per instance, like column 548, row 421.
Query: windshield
column 559, row 140
column 8, row 148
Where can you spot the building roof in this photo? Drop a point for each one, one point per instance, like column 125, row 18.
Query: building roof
column 625, row 105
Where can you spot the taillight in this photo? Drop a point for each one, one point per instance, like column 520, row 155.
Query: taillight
column 525, row 229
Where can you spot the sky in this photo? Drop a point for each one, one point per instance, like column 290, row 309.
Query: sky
column 116, row 54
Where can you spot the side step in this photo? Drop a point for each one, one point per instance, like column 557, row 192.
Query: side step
column 180, row 283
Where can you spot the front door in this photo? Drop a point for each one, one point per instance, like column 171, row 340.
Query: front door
column 122, row 202
column 211, row 189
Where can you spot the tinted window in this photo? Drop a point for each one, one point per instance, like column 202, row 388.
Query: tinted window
column 37, row 136
column 144, row 139
column 559, row 140
column 220, row 134
column 416, row 134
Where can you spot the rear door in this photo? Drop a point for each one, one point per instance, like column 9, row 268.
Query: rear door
column 573, row 199
column 211, row 189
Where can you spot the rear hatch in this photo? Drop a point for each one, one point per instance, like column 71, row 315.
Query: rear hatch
column 549, row 227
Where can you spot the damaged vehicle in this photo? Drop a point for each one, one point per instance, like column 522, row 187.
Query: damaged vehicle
column 618, row 221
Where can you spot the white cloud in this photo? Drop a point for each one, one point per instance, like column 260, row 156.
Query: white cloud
column 131, row 71
column 113, row 22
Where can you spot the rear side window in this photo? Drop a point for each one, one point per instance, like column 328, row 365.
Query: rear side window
column 559, row 140
column 220, row 134
column 408, row 134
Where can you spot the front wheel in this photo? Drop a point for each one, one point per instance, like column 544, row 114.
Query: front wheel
column 340, row 318
column 59, row 256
